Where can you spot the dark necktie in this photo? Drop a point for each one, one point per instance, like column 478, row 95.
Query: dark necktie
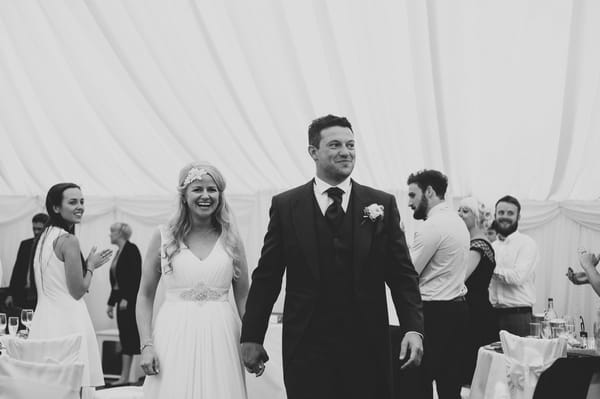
column 335, row 212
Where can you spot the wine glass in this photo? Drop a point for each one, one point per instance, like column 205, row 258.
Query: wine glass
column 570, row 326
column 26, row 317
column 2, row 323
column 13, row 325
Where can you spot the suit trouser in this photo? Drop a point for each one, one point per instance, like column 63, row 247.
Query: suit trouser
column 406, row 382
column 444, row 346
column 332, row 372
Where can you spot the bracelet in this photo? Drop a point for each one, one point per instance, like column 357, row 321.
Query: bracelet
column 147, row 344
column 90, row 270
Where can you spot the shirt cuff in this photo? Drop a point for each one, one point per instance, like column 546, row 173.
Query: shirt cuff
column 415, row 332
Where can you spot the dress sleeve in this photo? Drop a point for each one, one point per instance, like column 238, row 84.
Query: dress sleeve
column 484, row 248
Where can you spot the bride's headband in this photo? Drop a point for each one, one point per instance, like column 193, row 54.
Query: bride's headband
column 194, row 174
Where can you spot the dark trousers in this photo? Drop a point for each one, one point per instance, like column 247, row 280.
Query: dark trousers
column 444, row 345
column 514, row 320
column 128, row 331
column 332, row 372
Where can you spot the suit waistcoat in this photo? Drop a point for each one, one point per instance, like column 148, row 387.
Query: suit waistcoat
column 334, row 314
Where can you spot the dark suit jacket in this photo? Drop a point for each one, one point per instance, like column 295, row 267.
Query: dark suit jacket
column 18, row 278
column 128, row 274
column 380, row 256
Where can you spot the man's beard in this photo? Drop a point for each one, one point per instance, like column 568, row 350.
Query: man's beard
column 505, row 232
column 420, row 212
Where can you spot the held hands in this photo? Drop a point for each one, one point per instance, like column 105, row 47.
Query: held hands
column 412, row 344
column 109, row 311
column 254, row 357
column 149, row 361
column 97, row 259
column 123, row 304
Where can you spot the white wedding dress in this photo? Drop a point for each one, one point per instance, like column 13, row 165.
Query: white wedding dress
column 197, row 330
column 58, row 314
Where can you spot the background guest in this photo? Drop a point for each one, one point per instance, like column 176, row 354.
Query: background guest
column 483, row 325
column 492, row 232
column 125, row 274
column 22, row 290
column 512, row 289
column 439, row 253
column 63, row 277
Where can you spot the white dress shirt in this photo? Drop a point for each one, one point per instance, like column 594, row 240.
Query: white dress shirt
column 513, row 281
column 439, row 253
column 324, row 200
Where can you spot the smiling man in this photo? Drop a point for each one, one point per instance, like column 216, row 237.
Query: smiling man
column 340, row 243
column 512, row 289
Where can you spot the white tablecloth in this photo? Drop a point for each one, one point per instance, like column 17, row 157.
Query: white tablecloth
column 490, row 382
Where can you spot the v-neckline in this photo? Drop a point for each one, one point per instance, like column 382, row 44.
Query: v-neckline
column 209, row 253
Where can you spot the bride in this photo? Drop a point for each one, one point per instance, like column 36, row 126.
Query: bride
column 194, row 351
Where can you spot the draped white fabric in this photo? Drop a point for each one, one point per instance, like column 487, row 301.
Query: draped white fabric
column 117, row 96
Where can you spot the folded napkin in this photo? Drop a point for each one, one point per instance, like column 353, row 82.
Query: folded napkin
column 526, row 359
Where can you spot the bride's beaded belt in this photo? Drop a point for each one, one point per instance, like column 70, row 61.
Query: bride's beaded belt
column 199, row 293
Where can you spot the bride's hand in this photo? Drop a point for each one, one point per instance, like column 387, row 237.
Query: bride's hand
column 149, row 361
column 97, row 259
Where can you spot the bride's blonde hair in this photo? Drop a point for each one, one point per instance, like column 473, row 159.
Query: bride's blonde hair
column 222, row 219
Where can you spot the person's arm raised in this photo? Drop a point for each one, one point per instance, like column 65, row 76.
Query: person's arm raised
column 67, row 249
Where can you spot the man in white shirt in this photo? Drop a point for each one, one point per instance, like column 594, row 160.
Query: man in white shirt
column 439, row 253
column 512, row 288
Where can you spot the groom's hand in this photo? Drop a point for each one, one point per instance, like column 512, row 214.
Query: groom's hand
column 254, row 357
column 412, row 344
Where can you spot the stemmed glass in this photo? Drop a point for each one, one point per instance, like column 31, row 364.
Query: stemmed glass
column 26, row 318
column 13, row 325
column 2, row 323
column 570, row 325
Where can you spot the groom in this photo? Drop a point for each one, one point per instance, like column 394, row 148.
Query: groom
column 340, row 243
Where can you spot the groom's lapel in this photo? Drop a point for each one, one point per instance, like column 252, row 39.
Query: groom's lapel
column 363, row 230
column 303, row 218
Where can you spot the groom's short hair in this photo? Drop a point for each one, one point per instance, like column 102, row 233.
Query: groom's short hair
column 317, row 125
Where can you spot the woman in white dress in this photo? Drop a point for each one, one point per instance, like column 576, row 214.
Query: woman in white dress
column 62, row 277
column 194, row 350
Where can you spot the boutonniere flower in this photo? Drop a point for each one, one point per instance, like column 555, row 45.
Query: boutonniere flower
column 373, row 212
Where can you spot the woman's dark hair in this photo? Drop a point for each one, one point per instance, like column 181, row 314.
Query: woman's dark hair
column 55, row 198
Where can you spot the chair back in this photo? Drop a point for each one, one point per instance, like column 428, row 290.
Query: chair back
column 25, row 380
column 526, row 359
column 63, row 350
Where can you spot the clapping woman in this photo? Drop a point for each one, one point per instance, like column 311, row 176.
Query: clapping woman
column 63, row 277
